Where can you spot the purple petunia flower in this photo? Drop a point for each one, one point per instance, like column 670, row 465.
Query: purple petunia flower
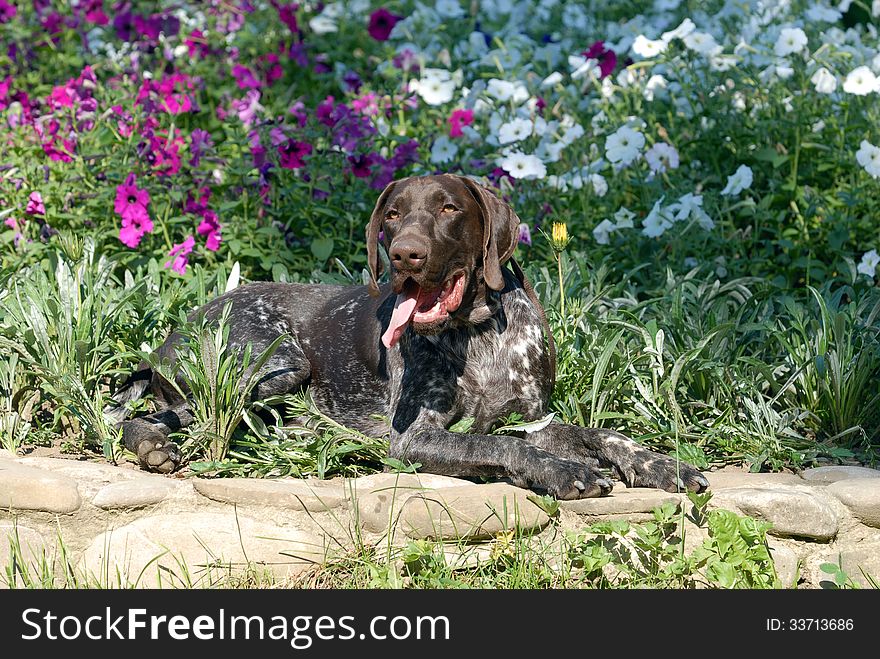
column 381, row 24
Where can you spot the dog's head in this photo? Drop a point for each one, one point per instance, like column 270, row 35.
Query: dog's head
column 446, row 238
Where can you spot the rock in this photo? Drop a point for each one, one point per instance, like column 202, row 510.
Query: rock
column 295, row 494
column 793, row 512
column 90, row 476
column 635, row 503
column 30, row 551
column 29, row 488
column 471, row 512
column 196, row 550
column 134, row 493
column 728, row 478
column 861, row 496
column 376, row 482
column 379, row 497
column 786, row 562
column 823, row 475
column 857, row 560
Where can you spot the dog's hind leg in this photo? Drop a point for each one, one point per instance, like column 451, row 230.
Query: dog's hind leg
column 147, row 437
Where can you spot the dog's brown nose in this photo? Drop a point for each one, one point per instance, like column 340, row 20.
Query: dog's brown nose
column 408, row 252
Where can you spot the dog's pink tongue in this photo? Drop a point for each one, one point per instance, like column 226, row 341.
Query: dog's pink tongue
column 404, row 308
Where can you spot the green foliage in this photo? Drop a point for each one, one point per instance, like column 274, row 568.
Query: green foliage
column 651, row 555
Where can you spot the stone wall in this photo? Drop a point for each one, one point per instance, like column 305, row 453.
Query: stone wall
column 121, row 526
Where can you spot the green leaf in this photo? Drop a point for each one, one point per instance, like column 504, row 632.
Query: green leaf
column 463, row 425
column 322, row 248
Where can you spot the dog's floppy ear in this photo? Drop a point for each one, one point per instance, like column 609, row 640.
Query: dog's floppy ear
column 500, row 232
column 374, row 263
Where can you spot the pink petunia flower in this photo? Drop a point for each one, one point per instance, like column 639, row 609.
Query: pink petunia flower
column 247, row 107
column 458, row 119
column 35, row 204
column 134, row 226
column 524, row 234
column 210, row 228
column 130, row 200
column 180, row 255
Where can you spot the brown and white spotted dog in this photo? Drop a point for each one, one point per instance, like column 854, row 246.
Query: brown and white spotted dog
column 454, row 334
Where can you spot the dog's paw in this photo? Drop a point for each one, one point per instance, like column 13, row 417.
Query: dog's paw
column 565, row 479
column 154, row 450
column 162, row 456
column 649, row 469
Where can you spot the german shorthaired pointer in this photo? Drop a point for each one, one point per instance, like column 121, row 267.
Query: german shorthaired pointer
column 453, row 335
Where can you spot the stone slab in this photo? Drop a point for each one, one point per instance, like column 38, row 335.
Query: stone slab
column 292, row 493
column 28, row 488
column 470, row 512
column 861, row 496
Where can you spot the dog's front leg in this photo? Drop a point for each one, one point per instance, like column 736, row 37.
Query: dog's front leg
column 440, row 451
column 147, row 437
column 632, row 463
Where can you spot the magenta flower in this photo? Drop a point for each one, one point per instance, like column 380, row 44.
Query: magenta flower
column 525, row 234
column 606, row 57
column 361, row 166
column 245, row 77
column 133, row 229
column 458, row 119
column 381, row 24
column 7, row 11
column 367, row 104
column 131, row 201
column 291, row 154
column 247, row 107
column 210, row 228
column 180, row 255
column 35, row 204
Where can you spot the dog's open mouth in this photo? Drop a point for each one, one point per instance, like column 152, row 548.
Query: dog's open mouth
column 418, row 306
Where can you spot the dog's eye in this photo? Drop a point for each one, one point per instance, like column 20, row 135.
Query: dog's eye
column 392, row 215
column 449, row 208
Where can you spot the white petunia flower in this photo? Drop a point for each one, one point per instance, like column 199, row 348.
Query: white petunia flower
column 740, row 180
column 703, row 43
column 504, row 91
column 861, row 82
column 791, row 40
column 623, row 218
column 687, row 26
column 602, row 231
column 443, row 150
column 551, row 80
column 644, row 47
column 436, row 86
column 600, row 185
column 823, row 14
column 572, row 133
column 521, row 165
column 824, row 81
column 662, row 157
column 656, row 85
column 624, row 146
column 514, row 130
column 868, row 156
column 581, row 66
column 656, row 223
column 322, row 24
column 868, row 266
column 449, row 8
